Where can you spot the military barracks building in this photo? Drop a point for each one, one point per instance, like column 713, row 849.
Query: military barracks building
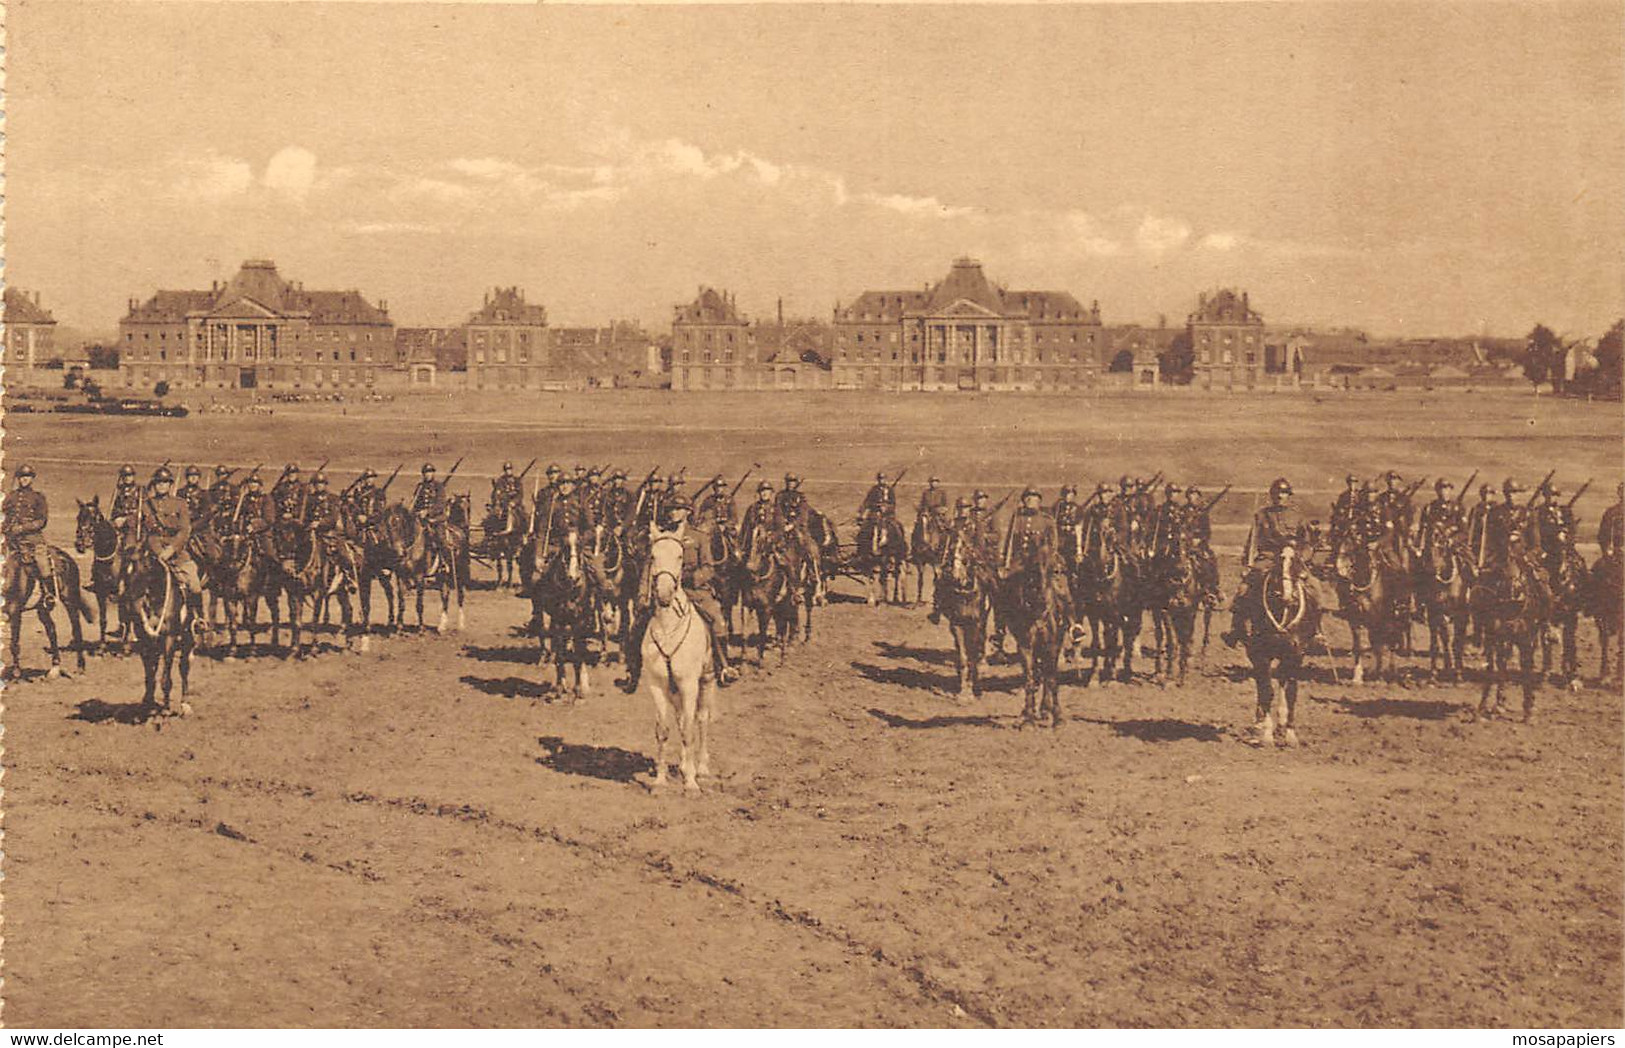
column 510, row 346
column 256, row 330
column 1227, row 337
column 27, row 331
column 715, row 346
column 967, row 333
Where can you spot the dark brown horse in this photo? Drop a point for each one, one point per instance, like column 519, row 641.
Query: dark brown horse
column 1373, row 595
column 963, row 597
column 21, row 586
column 1443, row 583
column 564, row 593
column 881, row 552
column 769, row 589
column 1282, row 619
column 1511, row 605
column 95, row 534
column 162, row 621
column 1029, row 607
column 1174, row 594
column 1606, row 604
column 1106, row 587
column 925, row 552
column 1570, row 582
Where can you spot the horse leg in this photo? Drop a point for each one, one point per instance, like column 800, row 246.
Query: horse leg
column 48, row 623
column 1049, row 661
column 663, row 717
column 149, row 670
column 1571, row 652
column 1264, row 687
column 1356, row 650
column 76, row 609
column 14, row 629
column 1029, row 681
column 1527, row 679
column 702, row 727
column 1131, row 630
column 1287, row 701
column 688, row 693
column 1207, row 626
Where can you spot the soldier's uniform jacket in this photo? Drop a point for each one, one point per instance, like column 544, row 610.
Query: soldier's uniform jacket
column 1395, row 508
column 1475, row 523
column 615, row 506
column 1067, row 512
column 1170, row 522
column 934, row 502
column 429, row 500
column 566, row 515
column 126, row 503
column 255, row 514
column 698, row 570
column 1199, row 525
column 1611, row 531
column 1554, row 517
column 220, row 498
column 760, row 515
column 289, row 499
column 196, row 497
column 984, row 526
column 26, row 514
column 1031, row 536
column 881, row 500
column 1274, row 527
column 716, row 505
column 1499, row 522
column 792, row 506
column 326, row 514
column 364, row 501
column 167, row 523
column 1343, row 508
column 1444, row 516
column 507, row 491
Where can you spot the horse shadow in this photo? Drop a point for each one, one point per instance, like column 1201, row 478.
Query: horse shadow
column 950, row 720
column 1160, row 729
column 1414, row 709
column 933, row 656
column 520, row 654
column 509, row 687
column 1242, row 673
column 610, row 763
column 95, row 711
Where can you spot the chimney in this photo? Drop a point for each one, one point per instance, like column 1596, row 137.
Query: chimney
column 1162, row 320
column 1245, row 309
column 36, row 298
column 781, row 311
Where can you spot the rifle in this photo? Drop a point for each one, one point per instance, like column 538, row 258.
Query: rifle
column 1413, row 489
column 1547, row 479
column 1215, row 500
column 1462, row 494
column 1577, row 494
column 742, row 480
column 527, row 469
column 450, row 473
column 643, row 491
column 391, row 479
column 900, row 475
column 321, row 467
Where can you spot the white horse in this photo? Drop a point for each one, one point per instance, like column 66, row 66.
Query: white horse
column 677, row 663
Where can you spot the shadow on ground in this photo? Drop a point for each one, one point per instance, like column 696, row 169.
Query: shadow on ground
column 610, row 763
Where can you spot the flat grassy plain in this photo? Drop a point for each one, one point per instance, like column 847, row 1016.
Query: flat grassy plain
column 428, row 834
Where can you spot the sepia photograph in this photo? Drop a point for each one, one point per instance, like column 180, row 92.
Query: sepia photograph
column 791, row 515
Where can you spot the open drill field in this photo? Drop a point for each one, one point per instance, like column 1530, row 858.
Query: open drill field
column 428, row 834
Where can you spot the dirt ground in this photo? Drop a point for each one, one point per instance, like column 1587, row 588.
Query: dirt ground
column 427, row 834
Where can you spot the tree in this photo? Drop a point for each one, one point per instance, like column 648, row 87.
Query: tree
column 102, row 358
column 1124, row 361
column 1610, row 373
column 1177, row 363
column 71, row 377
column 1543, row 357
column 161, row 390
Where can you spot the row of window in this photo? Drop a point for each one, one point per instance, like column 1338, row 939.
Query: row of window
column 248, row 355
column 271, row 334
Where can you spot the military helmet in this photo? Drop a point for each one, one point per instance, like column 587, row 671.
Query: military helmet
column 1192, row 492
column 507, row 467
column 594, row 472
column 369, row 473
column 553, row 469
column 1392, row 475
column 1351, row 479
column 674, row 481
column 1171, row 489
column 792, row 478
column 1442, row 484
column 319, row 480
column 193, row 471
column 222, row 471
column 933, row 479
column 1069, row 489
column 25, row 470
column 255, row 481
column 679, row 502
column 1281, row 486
column 126, row 471
column 1102, row 488
column 763, row 486
column 293, row 467
column 567, row 479
column 581, row 470
column 1030, row 492
column 1485, row 489
column 619, row 474
column 961, row 503
column 428, row 468
column 1123, row 482
column 1512, row 487
column 718, row 482
column 1552, row 489
column 979, row 495
column 163, row 476
column 880, row 478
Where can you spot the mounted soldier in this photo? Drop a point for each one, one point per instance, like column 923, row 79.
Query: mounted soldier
column 715, row 505
column 1443, row 518
column 26, row 514
column 1031, row 533
column 542, row 508
column 962, row 525
column 934, row 503
column 880, row 501
column 761, row 517
column 251, row 518
column 1275, row 527
column 1344, row 509
column 166, row 526
column 674, row 488
column 615, row 503
column 363, row 502
column 1611, row 529
column 287, row 493
column 699, row 576
column 1199, row 540
column 1067, row 511
column 592, row 493
column 796, row 512
column 651, row 500
column 1394, row 504
column 507, row 492
column 222, row 493
column 985, row 525
column 125, row 506
column 326, row 513
column 1170, row 521
column 1476, row 518
column 196, row 495
column 429, row 506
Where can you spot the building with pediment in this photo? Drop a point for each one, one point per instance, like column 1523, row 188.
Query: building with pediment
column 256, row 331
column 967, row 333
column 27, row 330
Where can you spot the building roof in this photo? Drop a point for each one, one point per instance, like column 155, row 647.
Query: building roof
column 710, row 306
column 507, row 305
column 258, row 290
column 1225, row 306
column 966, row 289
column 21, row 309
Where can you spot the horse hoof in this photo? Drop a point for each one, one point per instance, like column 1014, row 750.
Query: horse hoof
column 1288, row 740
column 54, row 673
column 185, row 710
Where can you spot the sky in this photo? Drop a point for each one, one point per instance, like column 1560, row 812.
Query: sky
column 1414, row 169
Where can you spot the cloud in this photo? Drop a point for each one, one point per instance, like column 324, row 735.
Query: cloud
column 291, row 172
column 1158, row 236
column 912, row 205
column 1220, row 241
column 488, row 167
column 212, row 177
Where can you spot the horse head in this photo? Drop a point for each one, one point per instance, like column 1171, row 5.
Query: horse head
column 666, row 568
column 91, row 526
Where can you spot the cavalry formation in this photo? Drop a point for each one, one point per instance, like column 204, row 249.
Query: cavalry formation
column 585, row 549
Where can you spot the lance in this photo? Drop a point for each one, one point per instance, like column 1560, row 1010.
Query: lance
column 1577, row 494
column 1541, row 488
column 1462, row 494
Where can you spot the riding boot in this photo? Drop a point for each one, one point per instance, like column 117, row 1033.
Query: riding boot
column 726, row 674
column 47, row 596
column 634, row 653
column 1237, row 631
